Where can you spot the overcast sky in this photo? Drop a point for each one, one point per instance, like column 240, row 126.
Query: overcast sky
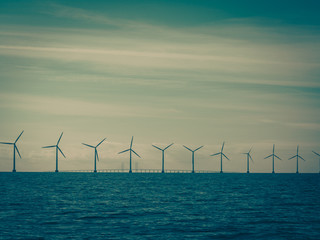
column 189, row 72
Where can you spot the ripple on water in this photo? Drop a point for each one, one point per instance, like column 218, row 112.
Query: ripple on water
column 154, row 206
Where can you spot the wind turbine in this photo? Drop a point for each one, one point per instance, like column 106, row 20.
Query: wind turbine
column 15, row 148
column 131, row 151
column 95, row 153
column 57, row 153
column 248, row 157
column 163, row 154
column 193, row 151
column 319, row 159
column 297, row 156
column 273, row 155
column 221, row 156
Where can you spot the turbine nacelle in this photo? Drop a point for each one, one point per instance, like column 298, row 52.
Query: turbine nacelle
column 221, row 152
column 193, row 150
column 130, row 149
column 297, row 155
column 248, row 154
column 273, row 155
column 161, row 148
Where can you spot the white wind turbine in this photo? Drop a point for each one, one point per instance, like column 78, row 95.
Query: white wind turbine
column 163, row 154
column 273, row 156
column 248, row 157
column 297, row 156
column 193, row 151
column 131, row 151
column 221, row 157
column 96, row 156
column 15, row 148
column 57, row 151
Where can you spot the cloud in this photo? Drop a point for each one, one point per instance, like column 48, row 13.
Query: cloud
column 205, row 53
column 72, row 107
column 63, row 11
column 183, row 84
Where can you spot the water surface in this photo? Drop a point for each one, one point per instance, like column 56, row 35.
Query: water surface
column 159, row 206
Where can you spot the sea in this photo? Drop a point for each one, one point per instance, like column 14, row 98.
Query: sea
column 159, row 206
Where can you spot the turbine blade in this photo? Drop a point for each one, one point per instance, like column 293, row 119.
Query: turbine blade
column 316, row 153
column 19, row 137
column 17, row 150
column 301, row 158
column 88, row 145
column 250, row 150
column 225, row 156
column 124, row 151
column 277, row 157
column 135, row 153
column 157, row 147
column 6, row 143
column 292, row 157
column 97, row 155
column 268, row 156
column 250, row 157
column 61, row 152
column 59, row 138
column 188, row 148
column 101, row 142
column 50, row 146
column 216, row 154
column 222, row 147
column 131, row 142
column 198, row 148
column 168, row 146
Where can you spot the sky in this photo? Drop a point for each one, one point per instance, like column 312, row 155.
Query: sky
column 191, row 72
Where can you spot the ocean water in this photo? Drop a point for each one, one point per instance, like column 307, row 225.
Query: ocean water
column 159, row 206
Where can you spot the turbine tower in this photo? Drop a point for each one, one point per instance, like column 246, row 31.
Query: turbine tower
column 95, row 153
column 297, row 156
column 273, row 155
column 193, row 151
column 131, row 151
column 248, row 157
column 163, row 154
column 221, row 156
column 57, row 153
column 319, row 158
column 15, row 148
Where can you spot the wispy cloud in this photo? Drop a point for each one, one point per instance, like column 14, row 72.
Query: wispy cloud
column 244, row 80
column 149, row 50
column 63, row 11
column 72, row 107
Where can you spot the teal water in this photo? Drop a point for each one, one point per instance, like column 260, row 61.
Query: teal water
column 159, row 206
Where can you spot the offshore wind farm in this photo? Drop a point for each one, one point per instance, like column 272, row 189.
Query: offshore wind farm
column 163, row 170
column 210, row 109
